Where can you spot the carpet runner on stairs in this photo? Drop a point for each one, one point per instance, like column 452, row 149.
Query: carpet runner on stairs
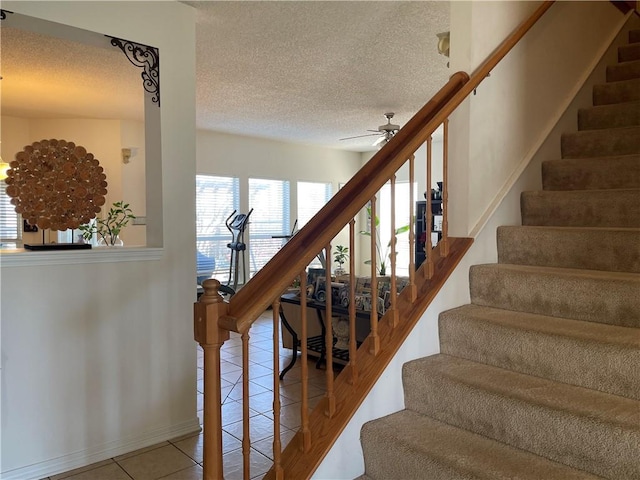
column 538, row 378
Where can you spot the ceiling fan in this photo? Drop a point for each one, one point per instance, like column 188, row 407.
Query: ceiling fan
column 385, row 132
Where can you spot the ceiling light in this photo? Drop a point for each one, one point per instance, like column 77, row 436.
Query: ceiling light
column 4, row 167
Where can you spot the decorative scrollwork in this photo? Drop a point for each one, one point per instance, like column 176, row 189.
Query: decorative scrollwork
column 148, row 59
column 3, row 14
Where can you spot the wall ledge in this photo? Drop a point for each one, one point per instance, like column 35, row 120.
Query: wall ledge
column 26, row 258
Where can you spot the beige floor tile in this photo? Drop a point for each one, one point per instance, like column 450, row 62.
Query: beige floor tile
column 81, row 469
column 141, row 450
column 232, row 412
column 266, row 446
column 191, row 446
column 191, row 473
column 230, row 443
column 260, row 427
column 233, row 464
column 254, row 389
column 263, row 402
column 112, row 471
column 156, row 463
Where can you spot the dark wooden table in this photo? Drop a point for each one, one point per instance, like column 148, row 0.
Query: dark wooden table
column 317, row 343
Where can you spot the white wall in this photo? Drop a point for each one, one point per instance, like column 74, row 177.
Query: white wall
column 345, row 460
column 98, row 357
column 522, row 99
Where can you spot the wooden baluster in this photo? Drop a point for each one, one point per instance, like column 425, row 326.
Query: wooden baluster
column 374, row 346
column 428, row 268
column 413, row 290
column 246, row 435
column 352, row 306
column 304, row 408
column 206, row 313
column 328, row 341
column 393, row 317
column 277, row 447
column 445, row 189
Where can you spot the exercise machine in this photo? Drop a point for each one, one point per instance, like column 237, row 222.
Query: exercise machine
column 237, row 224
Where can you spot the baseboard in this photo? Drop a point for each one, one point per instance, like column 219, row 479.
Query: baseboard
column 100, row 452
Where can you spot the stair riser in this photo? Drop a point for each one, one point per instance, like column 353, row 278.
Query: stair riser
column 576, row 296
column 616, row 92
column 567, row 359
column 623, row 71
column 628, row 53
column 609, row 116
column 590, row 249
column 634, row 36
column 601, row 143
column 603, row 449
column 592, row 208
column 592, row 173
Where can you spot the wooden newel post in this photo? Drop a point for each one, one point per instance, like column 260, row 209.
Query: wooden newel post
column 206, row 312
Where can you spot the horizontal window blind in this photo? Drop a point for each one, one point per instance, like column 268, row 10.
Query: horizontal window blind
column 312, row 196
column 216, row 199
column 270, row 200
column 9, row 219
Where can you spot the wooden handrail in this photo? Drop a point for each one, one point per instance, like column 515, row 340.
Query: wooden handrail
column 246, row 305
column 271, row 280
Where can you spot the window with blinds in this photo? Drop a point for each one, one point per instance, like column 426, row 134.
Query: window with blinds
column 404, row 215
column 216, row 199
column 10, row 231
column 270, row 200
column 312, row 196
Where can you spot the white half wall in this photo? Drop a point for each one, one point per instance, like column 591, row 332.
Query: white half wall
column 98, row 358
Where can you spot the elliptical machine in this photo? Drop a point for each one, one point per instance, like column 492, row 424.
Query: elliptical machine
column 237, row 225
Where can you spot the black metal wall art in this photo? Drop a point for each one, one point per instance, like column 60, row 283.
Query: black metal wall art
column 148, row 59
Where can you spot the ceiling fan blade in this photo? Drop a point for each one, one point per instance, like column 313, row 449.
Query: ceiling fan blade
column 360, row 136
column 381, row 141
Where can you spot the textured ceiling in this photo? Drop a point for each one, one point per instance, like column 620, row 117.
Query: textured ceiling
column 303, row 71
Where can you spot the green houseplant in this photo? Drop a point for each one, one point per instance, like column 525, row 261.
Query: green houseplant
column 340, row 256
column 383, row 256
column 108, row 229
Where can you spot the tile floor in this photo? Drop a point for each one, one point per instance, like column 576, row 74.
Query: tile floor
column 181, row 458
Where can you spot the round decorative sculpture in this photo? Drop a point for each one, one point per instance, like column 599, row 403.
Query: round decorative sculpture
column 56, row 184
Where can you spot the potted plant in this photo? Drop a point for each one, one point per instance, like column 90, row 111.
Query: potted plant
column 340, row 256
column 383, row 257
column 108, row 229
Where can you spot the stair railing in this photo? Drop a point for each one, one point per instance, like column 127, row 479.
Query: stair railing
column 215, row 318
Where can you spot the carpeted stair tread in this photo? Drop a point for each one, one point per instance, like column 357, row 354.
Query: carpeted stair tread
column 588, row 295
column 590, row 355
column 616, row 92
column 589, row 248
column 605, row 142
column 409, row 446
column 535, row 414
column 623, row 71
column 596, row 173
column 609, row 116
column 581, row 208
column 628, row 53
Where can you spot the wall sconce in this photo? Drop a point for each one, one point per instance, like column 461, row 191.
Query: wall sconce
column 128, row 153
column 4, row 167
column 443, row 43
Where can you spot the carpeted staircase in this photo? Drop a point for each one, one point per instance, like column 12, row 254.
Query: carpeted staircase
column 539, row 377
